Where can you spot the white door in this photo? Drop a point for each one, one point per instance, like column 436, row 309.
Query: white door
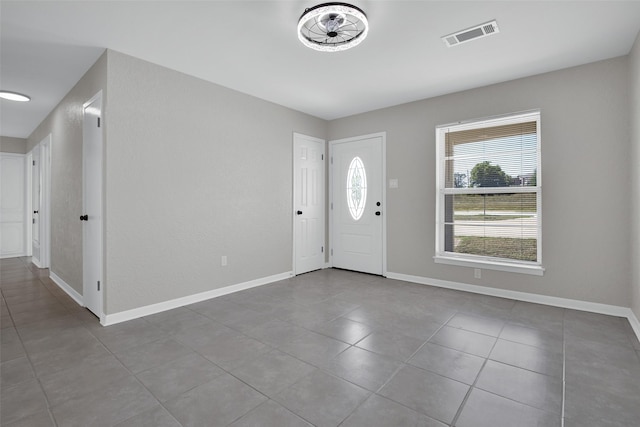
column 12, row 205
column 36, row 197
column 92, row 203
column 357, row 192
column 308, row 203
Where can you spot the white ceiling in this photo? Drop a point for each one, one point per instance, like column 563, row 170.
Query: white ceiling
column 251, row 46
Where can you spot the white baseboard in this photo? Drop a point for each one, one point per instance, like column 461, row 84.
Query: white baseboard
column 594, row 307
column 635, row 324
column 135, row 313
column 65, row 287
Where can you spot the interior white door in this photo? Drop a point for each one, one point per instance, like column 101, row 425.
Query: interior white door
column 92, row 203
column 36, row 197
column 358, row 204
column 308, row 203
column 12, row 205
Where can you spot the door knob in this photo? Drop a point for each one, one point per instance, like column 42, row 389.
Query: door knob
column 299, row 212
column 84, row 217
column 35, row 212
column 378, row 213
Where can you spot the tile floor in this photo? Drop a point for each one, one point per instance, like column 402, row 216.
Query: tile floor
column 327, row 348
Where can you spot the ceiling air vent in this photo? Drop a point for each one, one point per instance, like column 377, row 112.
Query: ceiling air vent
column 473, row 33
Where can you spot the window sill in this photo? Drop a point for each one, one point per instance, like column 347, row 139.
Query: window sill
column 536, row 270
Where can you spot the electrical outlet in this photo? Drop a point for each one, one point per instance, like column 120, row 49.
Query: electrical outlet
column 223, row 261
column 477, row 273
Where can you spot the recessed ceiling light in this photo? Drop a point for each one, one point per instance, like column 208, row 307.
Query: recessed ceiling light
column 14, row 96
column 332, row 27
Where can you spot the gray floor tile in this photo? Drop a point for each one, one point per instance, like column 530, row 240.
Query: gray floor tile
column 20, row 401
column 127, row 334
column 114, row 403
column 537, row 316
column 430, row 394
column 272, row 372
column 15, row 372
column 276, row 332
column 397, row 346
column 364, row 368
column 86, row 377
column 581, row 421
column 527, row 387
column 345, row 330
column 321, row 399
column 596, row 327
column 378, row 411
column 40, row 419
column 314, row 348
column 596, row 403
column 447, row 362
column 176, row 377
column 203, row 335
column 216, row 403
column 155, row 417
column 233, row 349
column 610, row 367
column 177, row 320
column 528, row 357
column 465, row 341
column 535, row 337
column 482, row 325
column 149, row 355
column 484, row 409
column 11, row 345
column 270, row 414
column 67, row 357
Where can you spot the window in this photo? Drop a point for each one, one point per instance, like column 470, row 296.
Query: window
column 356, row 188
column 489, row 194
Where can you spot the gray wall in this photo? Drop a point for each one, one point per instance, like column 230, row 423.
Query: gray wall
column 634, row 110
column 585, row 202
column 194, row 171
column 65, row 125
column 13, row 145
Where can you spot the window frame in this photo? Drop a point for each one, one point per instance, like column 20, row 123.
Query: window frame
column 481, row 261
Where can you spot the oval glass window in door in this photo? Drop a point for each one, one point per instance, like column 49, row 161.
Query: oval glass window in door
column 356, row 188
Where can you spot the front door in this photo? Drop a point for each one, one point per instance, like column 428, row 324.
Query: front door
column 358, row 204
column 308, row 203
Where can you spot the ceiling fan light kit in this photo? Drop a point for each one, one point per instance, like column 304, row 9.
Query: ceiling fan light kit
column 332, row 27
column 14, row 96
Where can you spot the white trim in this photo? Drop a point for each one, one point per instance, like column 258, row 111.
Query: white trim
column 29, row 202
column 65, row 287
column 536, row 270
column 332, row 143
column 135, row 313
column 593, row 307
column 635, row 324
column 444, row 257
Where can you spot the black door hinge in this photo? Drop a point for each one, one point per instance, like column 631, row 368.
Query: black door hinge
column 98, row 284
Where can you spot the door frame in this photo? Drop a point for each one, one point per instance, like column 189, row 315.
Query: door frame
column 385, row 211
column 26, row 219
column 44, row 212
column 86, row 286
column 293, row 198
